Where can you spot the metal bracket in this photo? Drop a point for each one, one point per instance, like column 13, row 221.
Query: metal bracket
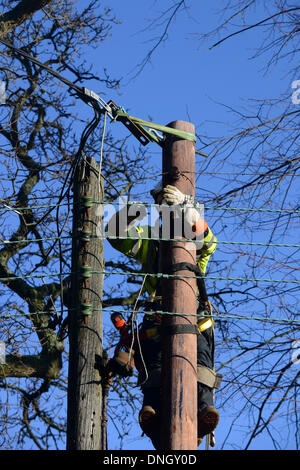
column 138, row 131
column 138, row 127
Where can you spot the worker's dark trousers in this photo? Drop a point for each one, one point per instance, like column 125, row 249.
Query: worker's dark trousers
column 152, row 356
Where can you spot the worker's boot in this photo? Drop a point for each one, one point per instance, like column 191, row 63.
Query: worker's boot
column 149, row 423
column 148, row 419
column 208, row 420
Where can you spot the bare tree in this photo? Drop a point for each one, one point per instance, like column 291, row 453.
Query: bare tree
column 21, row 12
column 41, row 128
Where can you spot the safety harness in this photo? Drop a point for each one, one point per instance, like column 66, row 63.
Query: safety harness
column 205, row 375
column 148, row 255
column 205, row 322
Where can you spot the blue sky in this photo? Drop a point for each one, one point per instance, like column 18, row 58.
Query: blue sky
column 184, row 75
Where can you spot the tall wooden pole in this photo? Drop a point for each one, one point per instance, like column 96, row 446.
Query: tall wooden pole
column 85, row 316
column 179, row 367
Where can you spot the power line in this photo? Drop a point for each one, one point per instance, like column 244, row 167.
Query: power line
column 148, row 204
column 156, row 275
column 35, row 240
column 219, row 315
column 221, row 242
column 228, row 173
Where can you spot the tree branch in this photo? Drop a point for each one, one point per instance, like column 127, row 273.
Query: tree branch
column 20, row 13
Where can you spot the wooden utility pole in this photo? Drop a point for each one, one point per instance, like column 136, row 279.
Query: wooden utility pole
column 85, row 315
column 179, row 367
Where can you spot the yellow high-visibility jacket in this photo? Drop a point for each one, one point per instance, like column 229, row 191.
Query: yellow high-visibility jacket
column 141, row 247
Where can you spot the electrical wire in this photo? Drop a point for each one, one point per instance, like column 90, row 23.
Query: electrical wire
column 65, row 191
column 219, row 316
column 90, row 127
column 17, row 50
column 88, row 97
column 101, row 148
column 65, row 194
column 149, row 204
column 219, row 242
column 133, row 318
column 156, row 275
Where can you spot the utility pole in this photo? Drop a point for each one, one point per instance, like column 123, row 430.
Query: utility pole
column 85, row 315
column 179, row 357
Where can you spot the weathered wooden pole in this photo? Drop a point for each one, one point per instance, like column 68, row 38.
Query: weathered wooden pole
column 179, row 360
column 85, row 315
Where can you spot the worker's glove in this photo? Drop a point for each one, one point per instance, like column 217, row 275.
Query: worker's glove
column 191, row 215
column 173, row 197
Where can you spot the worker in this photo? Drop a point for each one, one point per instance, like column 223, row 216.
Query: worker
column 135, row 242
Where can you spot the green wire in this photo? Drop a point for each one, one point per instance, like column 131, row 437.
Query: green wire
column 110, row 309
column 220, row 242
column 158, row 275
column 221, row 208
column 161, row 275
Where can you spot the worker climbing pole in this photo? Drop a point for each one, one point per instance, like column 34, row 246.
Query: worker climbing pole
column 174, row 354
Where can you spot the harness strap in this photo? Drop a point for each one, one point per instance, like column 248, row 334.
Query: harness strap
column 184, row 328
column 194, row 268
column 209, row 377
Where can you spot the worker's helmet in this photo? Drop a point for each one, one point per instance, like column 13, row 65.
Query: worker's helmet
column 156, row 190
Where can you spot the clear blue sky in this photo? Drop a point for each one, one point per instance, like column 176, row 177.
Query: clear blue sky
column 184, row 81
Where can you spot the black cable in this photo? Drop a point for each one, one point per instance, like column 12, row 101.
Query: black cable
column 90, row 127
column 90, row 98
column 86, row 95
column 77, row 88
